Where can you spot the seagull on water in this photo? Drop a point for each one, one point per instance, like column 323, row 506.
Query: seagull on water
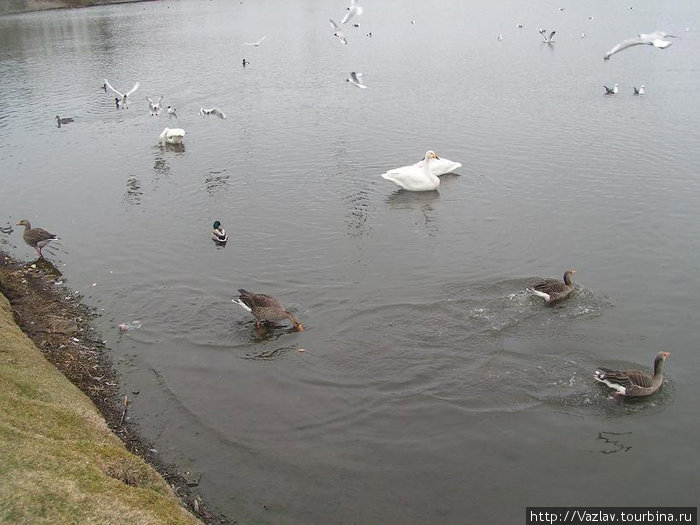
column 656, row 39
column 256, row 44
column 353, row 10
column 641, row 90
column 154, row 107
column 338, row 32
column 611, row 91
column 547, row 39
column 355, row 80
column 212, row 111
column 171, row 112
column 121, row 99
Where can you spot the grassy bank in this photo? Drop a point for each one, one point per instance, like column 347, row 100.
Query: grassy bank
column 59, row 461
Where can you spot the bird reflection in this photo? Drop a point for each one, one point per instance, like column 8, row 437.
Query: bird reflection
column 357, row 216
column 133, row 193
column 421, row 201
column 215, row 182
column 612, row 442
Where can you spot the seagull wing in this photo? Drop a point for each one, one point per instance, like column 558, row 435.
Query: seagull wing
column 260, row 41
column 551, row 35
column 136, row 86
column 624, row 45
column 218, row 112
column 159, row 100
column 661, row 43
column 333, row 25
column 110, row 87
column 348, row 16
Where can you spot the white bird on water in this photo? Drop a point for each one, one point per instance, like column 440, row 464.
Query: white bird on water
column 353, row 10
column 355, row 80
column 338, row 32
column 171, row 136
column 121, row 99
column 154, row 107
column 213, row 111
column 256, row 44
column 547, row 39
column 611, row 91
column 415, row 178
column 171, row 112
column 641, row 90
column 656, row 39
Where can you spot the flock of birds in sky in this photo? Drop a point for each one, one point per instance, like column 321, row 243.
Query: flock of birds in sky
column 422, row 176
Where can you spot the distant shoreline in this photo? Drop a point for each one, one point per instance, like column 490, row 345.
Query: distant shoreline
column 8, row 7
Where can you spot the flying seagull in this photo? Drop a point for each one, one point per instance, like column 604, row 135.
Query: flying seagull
column 256, row 44
column 355, row 80
column 154, row 107
column 212, row 111
column 338, row 32
column 641, row 90
column 611, row 91
column 656, row 39
column 121, row 99
column 547, row 39
column 171, row 112
column 353, row 10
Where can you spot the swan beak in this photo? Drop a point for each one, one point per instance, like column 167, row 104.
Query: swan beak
column 299, row 327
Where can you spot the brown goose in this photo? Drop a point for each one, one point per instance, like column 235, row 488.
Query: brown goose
column 552, row 290
column 265, row 308
column 37, row 238
column 634, row 383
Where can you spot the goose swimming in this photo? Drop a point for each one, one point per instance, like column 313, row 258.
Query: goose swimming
column 657, row 39
column 121, row 99
column 633, row 383
column 552, row 290
column 415, row 178
column 265, row 308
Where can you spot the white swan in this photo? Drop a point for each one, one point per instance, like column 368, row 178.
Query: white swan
column 440, row 166
column 414, row 178
column 171, row 136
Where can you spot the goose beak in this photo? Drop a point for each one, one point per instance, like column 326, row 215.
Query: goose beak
column 666, row 354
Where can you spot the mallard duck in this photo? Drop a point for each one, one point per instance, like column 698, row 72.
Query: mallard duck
column 634, row 383
column 37, row 238
column 218, row 234
column 414, row 178
column 66, row 120
column 552, row 290
column 265, row 308
column 171, row 136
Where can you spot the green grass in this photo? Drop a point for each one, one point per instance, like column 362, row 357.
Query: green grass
column 59, row 461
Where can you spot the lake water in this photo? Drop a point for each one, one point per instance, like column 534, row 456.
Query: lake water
column 429, row 386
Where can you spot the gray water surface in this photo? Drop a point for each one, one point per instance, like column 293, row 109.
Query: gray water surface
column 429, row 386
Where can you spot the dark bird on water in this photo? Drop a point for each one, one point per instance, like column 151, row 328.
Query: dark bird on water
column 265, row 308
column 552, row 290
column 633, row 383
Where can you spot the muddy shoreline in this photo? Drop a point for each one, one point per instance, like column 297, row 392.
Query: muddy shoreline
column 59, row 324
